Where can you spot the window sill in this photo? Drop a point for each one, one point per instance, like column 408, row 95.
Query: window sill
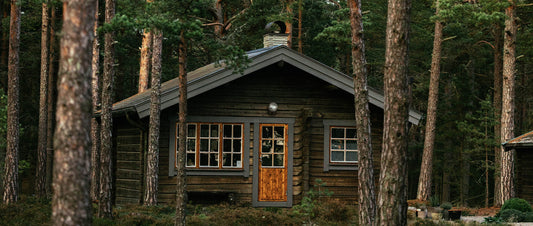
column 342, row 167
column 216, row 172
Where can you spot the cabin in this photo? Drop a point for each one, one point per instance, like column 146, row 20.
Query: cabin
column 523, row 145
column 260, row 138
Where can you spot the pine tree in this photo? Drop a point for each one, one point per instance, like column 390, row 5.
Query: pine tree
column 105, row 208
column 95, row 125
column 13, row 128
column 152, row 169
column 508, row 106
column 71, row 201
column 392, row 198
column 40, row 176
column 181, row 178
column 426, row 169
column 367, row 196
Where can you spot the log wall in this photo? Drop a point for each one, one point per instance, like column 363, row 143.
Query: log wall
column 305, row 98
column 524, row 174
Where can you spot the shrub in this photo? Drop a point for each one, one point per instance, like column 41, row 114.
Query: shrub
column 512, row 215
column 446, row 206
column 528, row 217
column 517, row 204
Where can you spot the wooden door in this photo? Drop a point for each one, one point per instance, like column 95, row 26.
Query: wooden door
column 273, row 162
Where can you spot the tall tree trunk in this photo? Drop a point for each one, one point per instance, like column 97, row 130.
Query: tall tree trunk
column 4, row 49
column 300, row 38
column 508, row 94
column 40, row 176
column 13, row 128
column 219, row 20
column 392, row 198
column 146, row 54
column 181, row 178
column 50, row 102
column 95, row 125
column 426, row 169
column 498, row 65
column 150, row 198
column 367, row 195
column 288, row 23
column 105, row 208
column 71, row 202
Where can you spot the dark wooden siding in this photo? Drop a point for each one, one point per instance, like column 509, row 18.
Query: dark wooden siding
column 524, row 174
column 129, row 163
column 303, row 97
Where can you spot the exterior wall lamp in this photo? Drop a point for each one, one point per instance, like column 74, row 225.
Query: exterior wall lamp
column 272, row 108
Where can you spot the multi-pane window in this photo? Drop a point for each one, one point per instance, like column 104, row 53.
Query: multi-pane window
column 343, row 145
column 273, row 146
column 232, row 146
column 214, row 145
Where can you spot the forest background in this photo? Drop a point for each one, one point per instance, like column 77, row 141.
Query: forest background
column 465, row 117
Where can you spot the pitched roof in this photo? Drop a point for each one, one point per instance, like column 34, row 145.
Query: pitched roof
column 210, row 76
column 524, row 140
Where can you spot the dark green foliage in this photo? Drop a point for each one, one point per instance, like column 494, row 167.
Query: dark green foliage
column 28, row 211
column 317, row 207
column 3, row 130
column 511, row 215
column 516, row 204
column 493, row 220
column 446, row 205
column 528, row 217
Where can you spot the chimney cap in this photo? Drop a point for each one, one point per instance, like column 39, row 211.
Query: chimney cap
column 281, row 25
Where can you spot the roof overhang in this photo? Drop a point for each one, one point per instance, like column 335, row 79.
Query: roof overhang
column 210, row 77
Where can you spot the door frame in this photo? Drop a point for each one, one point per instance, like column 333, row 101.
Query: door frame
column 256, row 164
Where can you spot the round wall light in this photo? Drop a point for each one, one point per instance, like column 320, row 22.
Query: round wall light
column 272, row 108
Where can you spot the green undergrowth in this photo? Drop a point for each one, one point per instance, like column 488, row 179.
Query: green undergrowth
column 325, row 211
column 28, row 211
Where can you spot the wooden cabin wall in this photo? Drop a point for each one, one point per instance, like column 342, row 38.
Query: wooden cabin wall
column 524, row 174
column 303, row 97
column 129, row 163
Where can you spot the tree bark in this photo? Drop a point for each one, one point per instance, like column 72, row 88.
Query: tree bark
column 51, row 103
column 4, row 48
column 150, row 198
column 181, row 178
column 508, row 106
column 288, row 23
column 40, row 175
column 71, row 202
column 13, row 128
column 95, row 125
column 105, row 208
column 146, row 54
column 367, row 196
column 426, row 169
column 392, row 198
column 498, row 65
column 300, row 38
column 219, row 19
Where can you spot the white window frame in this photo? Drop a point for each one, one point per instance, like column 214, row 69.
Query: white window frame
column 336, row 165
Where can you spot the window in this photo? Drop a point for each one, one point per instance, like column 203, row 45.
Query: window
column 340, row 145
column 214, row 145
column 273, row 146
column 343, row 145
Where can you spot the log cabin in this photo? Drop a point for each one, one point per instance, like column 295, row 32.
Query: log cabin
column 262, row 137
column 523, row 145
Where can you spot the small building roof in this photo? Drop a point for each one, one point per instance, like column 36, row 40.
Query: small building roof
column 522, row 141
column 211, row 76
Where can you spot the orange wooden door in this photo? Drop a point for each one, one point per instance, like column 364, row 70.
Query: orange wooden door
column 273, row 163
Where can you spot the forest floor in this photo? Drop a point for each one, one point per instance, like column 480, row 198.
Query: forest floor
column 30, row 211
